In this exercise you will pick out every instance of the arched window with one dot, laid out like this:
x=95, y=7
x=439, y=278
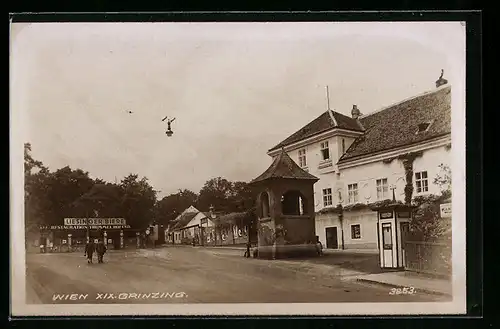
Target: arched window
x=264, y=205
x=293, y=203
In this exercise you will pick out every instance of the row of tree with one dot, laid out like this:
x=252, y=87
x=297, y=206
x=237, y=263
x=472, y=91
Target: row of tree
x=51, y=196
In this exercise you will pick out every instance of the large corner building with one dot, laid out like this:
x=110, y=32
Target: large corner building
x=365, y=159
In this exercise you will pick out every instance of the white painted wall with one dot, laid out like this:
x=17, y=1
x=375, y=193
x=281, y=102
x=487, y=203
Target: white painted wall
x=368, y=224
x=327, y=220
x=430, y=161
x=327, y=175
x=313, y=155
x=366, y=175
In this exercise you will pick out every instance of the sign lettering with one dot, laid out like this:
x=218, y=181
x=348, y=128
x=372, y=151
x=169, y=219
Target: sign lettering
x=83, y=227
x=384, y=215
x=94, y=221
x=404, y=214
x=445, y=210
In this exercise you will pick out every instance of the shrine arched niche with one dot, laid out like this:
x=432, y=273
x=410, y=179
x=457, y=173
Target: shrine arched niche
x=294, y=203
x=264, y=205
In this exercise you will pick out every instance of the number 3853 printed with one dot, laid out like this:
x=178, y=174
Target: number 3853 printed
x=403, y=291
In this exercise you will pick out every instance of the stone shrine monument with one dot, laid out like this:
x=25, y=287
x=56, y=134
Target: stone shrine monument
x=285, y=210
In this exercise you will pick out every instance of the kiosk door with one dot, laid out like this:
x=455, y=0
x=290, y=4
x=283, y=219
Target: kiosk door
x=387, y=253
x=405, y=228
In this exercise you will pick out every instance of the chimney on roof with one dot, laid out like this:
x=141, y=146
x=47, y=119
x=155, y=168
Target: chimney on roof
x=441, y=81
x=355, y=112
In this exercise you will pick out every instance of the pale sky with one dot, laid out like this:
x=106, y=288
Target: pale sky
x=235, y=89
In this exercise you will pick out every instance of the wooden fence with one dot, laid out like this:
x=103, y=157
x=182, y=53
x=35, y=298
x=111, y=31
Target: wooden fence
x=429, y=257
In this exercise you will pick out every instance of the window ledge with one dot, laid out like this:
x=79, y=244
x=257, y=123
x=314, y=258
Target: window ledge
x=305, y=216
x=325, y=164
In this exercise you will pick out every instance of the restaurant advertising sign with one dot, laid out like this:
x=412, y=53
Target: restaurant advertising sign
x=94, y=221
x=89, y=223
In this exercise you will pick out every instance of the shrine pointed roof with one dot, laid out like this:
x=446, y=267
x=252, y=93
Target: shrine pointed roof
x=284, y=167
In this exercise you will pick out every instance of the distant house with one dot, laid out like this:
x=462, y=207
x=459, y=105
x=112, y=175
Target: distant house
x=187, y=226
x=363, y=160
x=228, y=229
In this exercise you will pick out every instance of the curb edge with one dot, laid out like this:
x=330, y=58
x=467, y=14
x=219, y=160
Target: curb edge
x=427, y=291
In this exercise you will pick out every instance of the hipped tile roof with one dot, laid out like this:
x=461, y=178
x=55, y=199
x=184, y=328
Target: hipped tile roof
x=284, y=167
x=321, y=124
x=397, y=125
x=392, y=127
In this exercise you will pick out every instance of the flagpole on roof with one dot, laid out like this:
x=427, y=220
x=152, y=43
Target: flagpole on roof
x=327, y=98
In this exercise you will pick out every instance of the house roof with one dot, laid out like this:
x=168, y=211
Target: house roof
x=284, y=167
x=231, y=218
x=326, y=121
x=397, y=125
x=184, y=219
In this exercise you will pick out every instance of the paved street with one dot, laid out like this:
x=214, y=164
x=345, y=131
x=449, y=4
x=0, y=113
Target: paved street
x=196, y=275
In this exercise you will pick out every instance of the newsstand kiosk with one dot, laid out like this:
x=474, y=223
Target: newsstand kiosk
x=393, y=222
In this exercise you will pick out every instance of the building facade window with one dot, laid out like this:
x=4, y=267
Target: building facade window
x=382, y=189
x=325, y=150
x=302, y=158
x=327, y=197
x=356, y=231
x=352, y=190
x=343, y=146
x=421, y=182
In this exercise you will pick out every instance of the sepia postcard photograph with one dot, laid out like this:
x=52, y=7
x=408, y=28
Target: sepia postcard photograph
x=230, y=168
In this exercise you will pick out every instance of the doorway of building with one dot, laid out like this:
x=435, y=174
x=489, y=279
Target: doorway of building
x=332, y=241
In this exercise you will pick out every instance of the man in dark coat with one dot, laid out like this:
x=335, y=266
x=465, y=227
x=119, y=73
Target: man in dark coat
x=319, y=246
x=101, y=250
x=247, y=252
x=89, y=250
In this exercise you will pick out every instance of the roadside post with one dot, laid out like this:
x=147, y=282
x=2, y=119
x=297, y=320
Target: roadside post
x=121, y=239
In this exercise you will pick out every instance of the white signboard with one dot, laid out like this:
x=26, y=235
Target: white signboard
x=445, y=210
x=94, y=221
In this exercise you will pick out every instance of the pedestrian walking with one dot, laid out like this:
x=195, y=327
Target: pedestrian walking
x=89, y=251
x=247, y=252
x=319, y=246
x=101, y=250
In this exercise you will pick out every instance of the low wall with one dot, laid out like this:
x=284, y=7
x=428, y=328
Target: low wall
x=368, y=245
x=286, y=251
